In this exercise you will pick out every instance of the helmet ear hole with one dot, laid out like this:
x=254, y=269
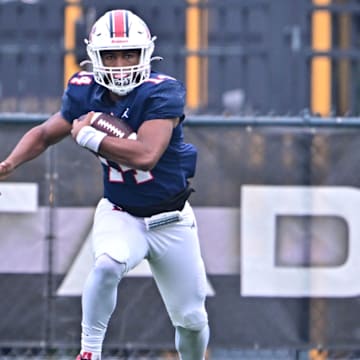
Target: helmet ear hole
x=120, y=30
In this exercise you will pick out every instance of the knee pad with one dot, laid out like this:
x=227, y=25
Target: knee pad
x=108, y=268
x=195, y=320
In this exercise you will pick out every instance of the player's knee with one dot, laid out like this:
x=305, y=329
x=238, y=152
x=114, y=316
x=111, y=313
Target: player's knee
x=108, y=269
x=195, y=320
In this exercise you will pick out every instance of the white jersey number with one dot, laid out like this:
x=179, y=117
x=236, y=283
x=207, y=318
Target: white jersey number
x=116, y=175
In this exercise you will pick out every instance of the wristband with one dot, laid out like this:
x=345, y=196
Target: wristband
x=90, y=138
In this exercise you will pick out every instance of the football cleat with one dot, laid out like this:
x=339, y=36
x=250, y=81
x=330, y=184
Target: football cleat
x=85, y=356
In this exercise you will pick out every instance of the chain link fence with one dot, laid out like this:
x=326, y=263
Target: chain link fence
x=44, y=254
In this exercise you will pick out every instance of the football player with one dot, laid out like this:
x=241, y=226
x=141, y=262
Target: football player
x=145, y=212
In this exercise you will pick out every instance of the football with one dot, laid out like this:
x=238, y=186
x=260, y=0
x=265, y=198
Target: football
x=111, y=125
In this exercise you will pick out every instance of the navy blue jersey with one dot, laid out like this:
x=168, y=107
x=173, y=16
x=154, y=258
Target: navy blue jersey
x=160, y=97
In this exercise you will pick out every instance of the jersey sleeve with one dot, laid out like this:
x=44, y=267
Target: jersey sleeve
x=70, y=108
x=166, y=101
x=74, y=99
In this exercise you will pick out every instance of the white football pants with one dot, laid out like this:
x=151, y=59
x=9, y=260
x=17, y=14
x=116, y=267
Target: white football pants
x=173, y=253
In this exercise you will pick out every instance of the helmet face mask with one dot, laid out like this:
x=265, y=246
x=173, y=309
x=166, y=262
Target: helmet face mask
x=114, y=31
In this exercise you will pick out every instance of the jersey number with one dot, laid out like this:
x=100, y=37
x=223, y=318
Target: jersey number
x=116, y=175
x=82, y=78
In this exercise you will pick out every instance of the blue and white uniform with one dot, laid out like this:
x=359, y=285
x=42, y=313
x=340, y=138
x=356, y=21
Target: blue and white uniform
x=160, y=97
x=131, y=197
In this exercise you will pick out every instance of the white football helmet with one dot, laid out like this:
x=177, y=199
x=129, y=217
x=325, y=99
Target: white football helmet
x=120, y=30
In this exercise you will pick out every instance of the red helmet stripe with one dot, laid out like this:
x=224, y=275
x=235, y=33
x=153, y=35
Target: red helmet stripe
x=119, y=26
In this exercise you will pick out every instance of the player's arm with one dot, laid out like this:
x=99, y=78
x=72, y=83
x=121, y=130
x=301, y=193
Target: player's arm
x=153, y=137
x=35, y=142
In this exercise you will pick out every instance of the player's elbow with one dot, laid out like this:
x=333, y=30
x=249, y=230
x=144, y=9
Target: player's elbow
x=146, y=162
x=145, y=166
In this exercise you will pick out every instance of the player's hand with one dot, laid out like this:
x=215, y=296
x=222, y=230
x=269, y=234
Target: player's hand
x=78, y=124
x=6, y=168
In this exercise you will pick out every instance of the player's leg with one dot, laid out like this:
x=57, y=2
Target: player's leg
x=191, y=344
x=98, y=302
x=118, y=245
x=179, y=272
